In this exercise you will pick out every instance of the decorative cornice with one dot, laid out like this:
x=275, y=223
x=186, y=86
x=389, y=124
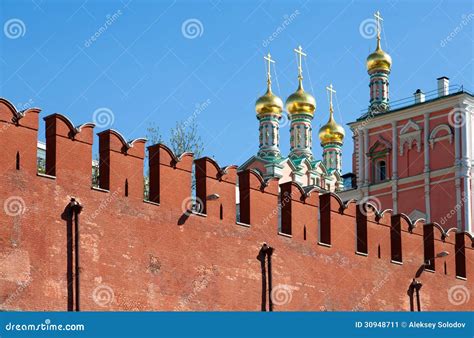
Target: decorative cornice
x=18, y=115
x=73, y=130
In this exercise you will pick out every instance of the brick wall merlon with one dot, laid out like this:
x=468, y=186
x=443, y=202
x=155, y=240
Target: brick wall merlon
x=258, y=200
x=121, y=163
x=299, y=212
x=329, y=203
x=382, y=217
x=69, y=150
x=312, y=196
x=112, y=140
x=27, y=118
x=210, y=168
x=160, y=154
x=254, y=181
x=60, y=125
x=170, y=176
x=216, y=188
x=18, y=137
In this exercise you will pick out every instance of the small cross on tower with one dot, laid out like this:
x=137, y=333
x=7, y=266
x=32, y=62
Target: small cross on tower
x=269, y=60
x=300, y=54
x=379, y=18
x=331, y=91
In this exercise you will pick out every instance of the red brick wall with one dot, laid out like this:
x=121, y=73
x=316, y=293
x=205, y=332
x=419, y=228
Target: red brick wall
x=157, y=256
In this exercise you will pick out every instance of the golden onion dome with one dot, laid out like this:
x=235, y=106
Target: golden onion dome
x=379, y=60
x=331, y=132
x=301, y=102
x=269, y=103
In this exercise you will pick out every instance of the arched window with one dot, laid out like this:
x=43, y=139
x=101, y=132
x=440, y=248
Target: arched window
x=378, y=155
x=380, y=171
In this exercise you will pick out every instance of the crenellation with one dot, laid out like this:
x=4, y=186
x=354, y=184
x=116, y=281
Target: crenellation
x=253, y=188
x=338, y=223
x=396, y=238
x=412, y=242
x=18, y=137
x=170, y=176
x=216, y=189
x=325, y=219
x=429, y=246
x=464, y=254
x=299, y=212
x=119, y=232
x=121, y=163
x=379, y=239
x=443, y=242
x=343, y=233
x=69, y=151
x=362, y=229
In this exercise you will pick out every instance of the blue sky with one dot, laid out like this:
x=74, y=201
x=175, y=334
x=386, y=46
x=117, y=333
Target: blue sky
x=143, y=67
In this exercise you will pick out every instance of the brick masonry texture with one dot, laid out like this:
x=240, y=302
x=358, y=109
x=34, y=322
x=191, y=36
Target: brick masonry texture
x=156, y=255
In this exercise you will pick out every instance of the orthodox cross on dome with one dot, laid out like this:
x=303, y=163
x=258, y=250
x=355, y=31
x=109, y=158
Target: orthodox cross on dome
x=269, y=60
x=379, y=18
x=299, y=52
x=330, y=91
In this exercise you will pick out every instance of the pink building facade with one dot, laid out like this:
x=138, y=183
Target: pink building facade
x=418, y=159
x=415, y=157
